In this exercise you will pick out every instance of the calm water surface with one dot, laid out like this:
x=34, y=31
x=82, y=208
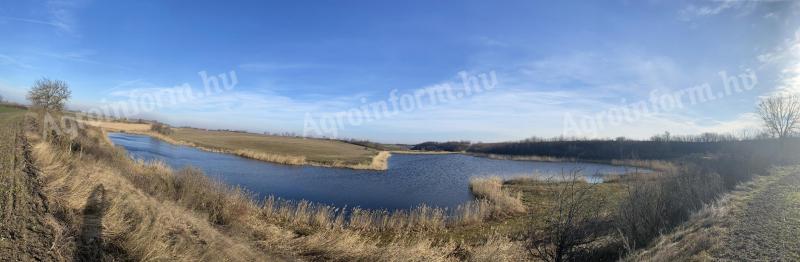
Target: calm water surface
x=436, y=180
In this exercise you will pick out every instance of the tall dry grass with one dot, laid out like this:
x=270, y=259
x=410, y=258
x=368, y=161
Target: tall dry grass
x=658, y=165
x=503, y=202
x=132, y=225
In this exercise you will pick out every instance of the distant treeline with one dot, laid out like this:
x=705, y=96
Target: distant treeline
x=453, y=146
x=661, y=147
x=12, y=104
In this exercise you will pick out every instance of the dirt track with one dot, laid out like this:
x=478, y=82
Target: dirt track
x=24, y=232
x=766, y=227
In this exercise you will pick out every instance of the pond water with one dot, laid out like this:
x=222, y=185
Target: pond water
x=436, y=180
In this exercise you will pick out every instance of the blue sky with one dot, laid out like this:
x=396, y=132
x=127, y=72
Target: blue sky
x=552, y=59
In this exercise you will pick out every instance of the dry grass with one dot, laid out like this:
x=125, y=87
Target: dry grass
x=692, y=240
x=658, y=165
x=119, y=126
x=132, y=225
x=420, y=152
x=704, y=232
x=504, y=202
x=318, y=151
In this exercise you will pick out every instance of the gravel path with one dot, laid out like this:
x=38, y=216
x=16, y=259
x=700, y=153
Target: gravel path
x=766, y=227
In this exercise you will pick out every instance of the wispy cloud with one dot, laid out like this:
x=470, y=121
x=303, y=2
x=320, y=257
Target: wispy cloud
x=785, y=58
x=266, y=67
x=716, y=7
x=57, y=25
x=59, y=15
x=62, y=14
x=13, y=61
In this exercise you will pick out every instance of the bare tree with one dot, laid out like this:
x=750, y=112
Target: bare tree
x=50, y=95
x=780, y=114
x=573, y=221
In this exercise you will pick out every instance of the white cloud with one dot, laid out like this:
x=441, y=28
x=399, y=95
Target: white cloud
x=530, y=100
x=716, y=7
x=62, y=14
x=786, y=59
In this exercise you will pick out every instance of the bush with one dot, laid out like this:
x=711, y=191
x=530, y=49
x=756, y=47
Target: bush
x=573, y=222
x=652, y=207
x=161, y=128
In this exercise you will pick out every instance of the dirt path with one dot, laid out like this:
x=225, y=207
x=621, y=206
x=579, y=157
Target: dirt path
x=24, y=232
x=767, y=225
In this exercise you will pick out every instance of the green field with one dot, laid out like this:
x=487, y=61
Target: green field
x=9, y=109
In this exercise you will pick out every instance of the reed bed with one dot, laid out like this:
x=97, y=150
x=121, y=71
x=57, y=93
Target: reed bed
x=503, y=202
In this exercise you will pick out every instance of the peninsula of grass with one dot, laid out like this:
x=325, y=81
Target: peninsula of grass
x=275, y=149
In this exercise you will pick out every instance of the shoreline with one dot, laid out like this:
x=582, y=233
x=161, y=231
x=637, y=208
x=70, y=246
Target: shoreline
x=653, y=165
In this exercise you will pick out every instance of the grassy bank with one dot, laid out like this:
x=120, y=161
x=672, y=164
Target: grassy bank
x=275, y=149
x=757, y=221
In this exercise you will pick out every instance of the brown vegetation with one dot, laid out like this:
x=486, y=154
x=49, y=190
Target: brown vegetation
x=573, y=222
x=504, y=203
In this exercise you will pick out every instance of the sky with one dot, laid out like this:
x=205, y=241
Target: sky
x=545, y=68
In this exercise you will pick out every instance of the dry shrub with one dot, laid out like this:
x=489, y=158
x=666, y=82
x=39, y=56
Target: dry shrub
x=690, y=241
x=161, y=129
x=572, y=223
x=650, y=207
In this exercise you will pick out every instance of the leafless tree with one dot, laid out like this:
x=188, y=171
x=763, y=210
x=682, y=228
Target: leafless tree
x=780, y=114
x=49, y=95
x=573, y=221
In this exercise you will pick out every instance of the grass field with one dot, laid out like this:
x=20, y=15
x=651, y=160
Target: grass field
x=278, y=149
x=314, y=150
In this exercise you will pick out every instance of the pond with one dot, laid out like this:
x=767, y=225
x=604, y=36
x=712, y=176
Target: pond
x=412, y=179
